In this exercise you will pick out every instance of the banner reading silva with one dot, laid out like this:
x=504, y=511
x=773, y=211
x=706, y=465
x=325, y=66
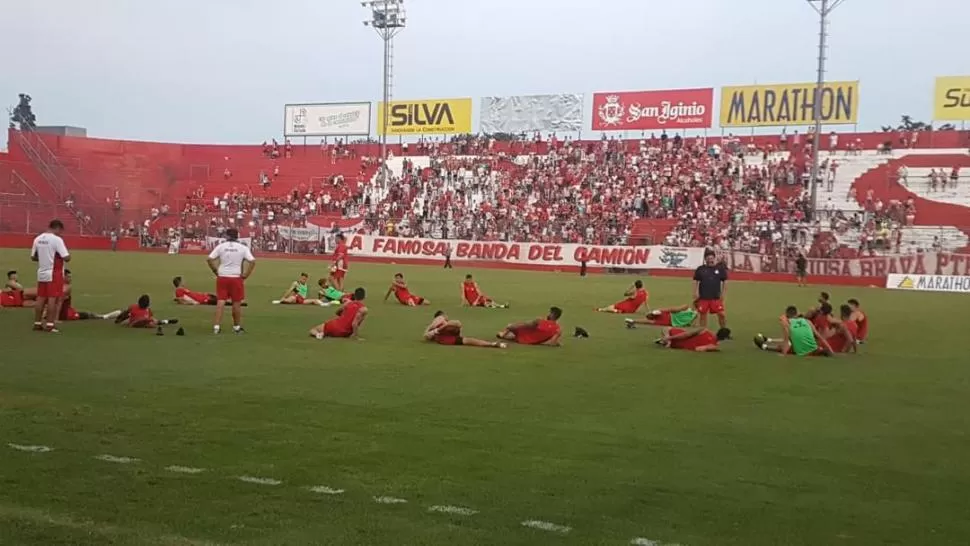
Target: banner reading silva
x=951, y=99
x=648, y=110
x=929, y=283
x=788, y=104
x=425, y=117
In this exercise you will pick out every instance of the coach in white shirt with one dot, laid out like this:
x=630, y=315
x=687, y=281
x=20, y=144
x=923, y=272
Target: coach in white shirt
x=232, y=262
x=50, y=253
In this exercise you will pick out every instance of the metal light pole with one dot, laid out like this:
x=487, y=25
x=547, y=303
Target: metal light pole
x=824, y=8
x=387, y=19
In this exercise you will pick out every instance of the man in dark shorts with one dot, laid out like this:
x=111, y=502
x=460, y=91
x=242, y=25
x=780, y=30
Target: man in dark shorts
x=801, y=269
x=710, y=285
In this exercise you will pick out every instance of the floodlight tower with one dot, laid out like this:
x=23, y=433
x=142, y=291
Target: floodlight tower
x=387, y=18
x=823, y=8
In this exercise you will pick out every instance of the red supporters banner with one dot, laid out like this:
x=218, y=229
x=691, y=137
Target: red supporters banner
x=649, y=110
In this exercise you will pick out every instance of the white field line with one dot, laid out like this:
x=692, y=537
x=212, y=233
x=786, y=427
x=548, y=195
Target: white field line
x=184, y=469
x=325, y=490
x=389, y=500
x=547, y=526
x=644, y=542
x=31, y=449
x=259, y=481
x=457, y=510
x=115, y=459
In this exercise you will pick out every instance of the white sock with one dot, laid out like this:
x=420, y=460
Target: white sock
x=216, y=328
x=236, y=328
x=275, y=302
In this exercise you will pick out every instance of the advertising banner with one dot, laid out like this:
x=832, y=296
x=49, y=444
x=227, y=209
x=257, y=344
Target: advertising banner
x=550, y=254
x=788, y=104
x=212, y=242
x=337, y=119
x=929, y=283
x=316, y=233
x=652, y=110
x=951, y=99
x=928, y=263
x=527, y=113
x=426, y=117
x=675, y=257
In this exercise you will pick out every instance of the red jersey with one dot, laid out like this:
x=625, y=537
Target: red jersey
x=821, y=322
x=863, y=325
x=448, y=336
x=639, y=297
x=700, y=340
x=340, y=256
x=66, y=308
x=543, y=331
x=402, y=294
x=137, y=314
x=839, y=342
x=181, y=293
x=471, y=292
x=350, y=311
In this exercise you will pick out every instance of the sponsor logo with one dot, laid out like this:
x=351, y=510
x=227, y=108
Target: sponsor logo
x=673, y=257
x=299, y=120
x=906, y=284
x=929, y=283
x=339, y=119
x=642, y=110
x=951, y=99
x=789, y=104
x=445, y=116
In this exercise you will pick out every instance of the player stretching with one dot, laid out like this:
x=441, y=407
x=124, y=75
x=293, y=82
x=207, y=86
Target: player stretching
x=68, y=312
x=678, y=317
x=139, y=315
x=448, y=332
x=710, y=285
x=844, y=332
x=636, y=297
x=800, y=337
x=51, y=254
x=297, y=293
x=330, y=295
x=232, y=262
x=12, y=293
x=340, y=264
x=822, y=318
x=700, y=340
x=861, y=320
x=185, y=296
x=473, y=296
x=350, y=316
x=400, y=290
x=541, y=331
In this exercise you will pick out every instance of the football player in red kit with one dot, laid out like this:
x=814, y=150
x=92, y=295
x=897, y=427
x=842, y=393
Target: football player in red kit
x=636, y=296
x=12, y=293
x=842, y=337
x=472, y=295
x=700, y=340
x=400, y=290
x=340, y=263
x=448, y=332
x=67, y=311
x=541, y=331
x=185, y=296
x=350, y=316
x=861, y=319
x=139, y=315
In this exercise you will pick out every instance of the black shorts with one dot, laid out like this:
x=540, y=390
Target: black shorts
x=801, y=273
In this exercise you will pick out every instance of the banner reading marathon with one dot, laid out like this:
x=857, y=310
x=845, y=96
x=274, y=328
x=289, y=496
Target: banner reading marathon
x=426, y=117
x=525, y=113
x=789, y=104
x=951, y=99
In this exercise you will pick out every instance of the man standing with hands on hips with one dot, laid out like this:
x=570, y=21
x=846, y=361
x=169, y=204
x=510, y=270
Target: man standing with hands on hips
x=232, y=263
x=50, y=253
x=710, y=285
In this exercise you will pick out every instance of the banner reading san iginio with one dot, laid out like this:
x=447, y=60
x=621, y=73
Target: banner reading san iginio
x=653, y=110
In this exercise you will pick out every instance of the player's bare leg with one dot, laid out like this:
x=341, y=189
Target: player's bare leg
x=217, y=318
x=769, y=344
x=702, y=320
x=318, y=331
x=722, y=320
x=40, y=305
x=472, y=342
x=607, y=309
x=237, y=317
x=51, y=308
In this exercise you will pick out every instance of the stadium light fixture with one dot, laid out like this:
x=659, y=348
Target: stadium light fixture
x=388, y=18
x=824, y=8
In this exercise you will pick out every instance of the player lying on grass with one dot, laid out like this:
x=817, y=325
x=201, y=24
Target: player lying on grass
x=679, y=317
x=12, y=293
x=800, y=337
x=400, y=290
x=448, y=332
x=699, y=340
x=68, y=312
x=473, y=296
x=861, y=319
x=330, y=295
x=185, y=296
x=541, y=331
x=636, y=296
x=349, y=318
x=297, y=293
x=139, y=315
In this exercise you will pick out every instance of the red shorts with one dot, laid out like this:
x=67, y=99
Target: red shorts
x=480, y=301
x=299, y=299
x=70, y=314
x=816, y=352
x=663, y=319
x=335, y=328
x=411, y=300
x=626, y=307
x=339, y=274
x=448, y=339
x=51, y=289
x=11, y=299
x=710, y=306
x=230, y=288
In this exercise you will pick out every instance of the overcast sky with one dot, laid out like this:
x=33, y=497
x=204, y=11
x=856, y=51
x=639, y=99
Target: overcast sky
x=221, y=70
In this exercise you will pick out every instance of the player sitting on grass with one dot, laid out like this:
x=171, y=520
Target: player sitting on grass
x=448, y=332
x=473, y=296
x=68, y=312
x=861, y=320
x=822, y=318
x=400, y=290
x=185, y=296
x=330, y=295
x=678, y=317
x=843, y=332
x=699, y=340
x=139, y=315
x=800, y=337
x=541, y=331
x=347, y=323
x=636, y=296
x=297, y=293
x=12, y=293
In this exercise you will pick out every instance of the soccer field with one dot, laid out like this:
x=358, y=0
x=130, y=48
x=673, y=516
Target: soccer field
x=601, y=441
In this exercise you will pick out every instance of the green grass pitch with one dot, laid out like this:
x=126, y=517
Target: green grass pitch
x=609, y=436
